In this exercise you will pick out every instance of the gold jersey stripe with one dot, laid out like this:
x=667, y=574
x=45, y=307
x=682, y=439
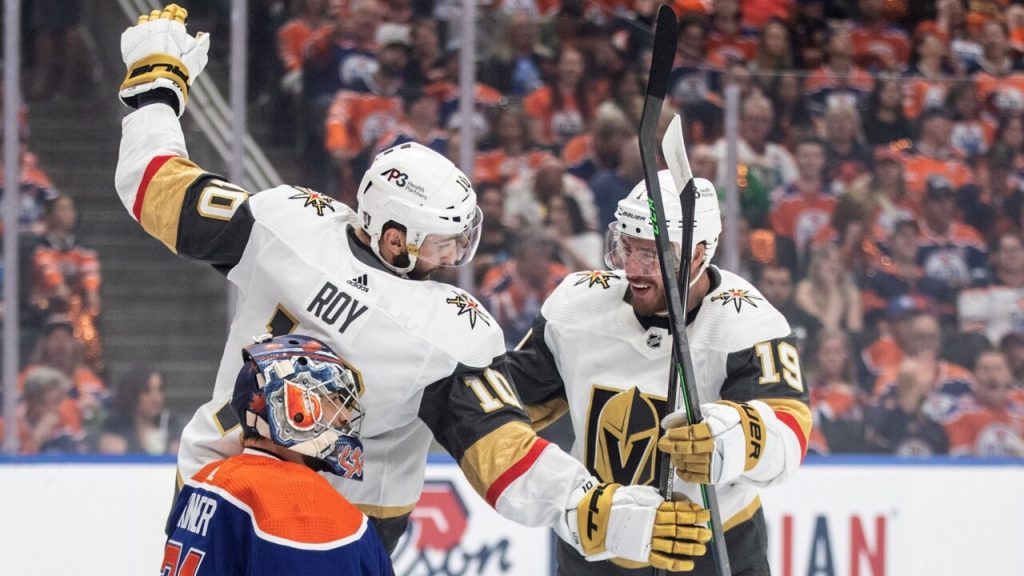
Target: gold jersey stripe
x=746, y=513
x=800, y=412
x=377, y=511
x=492, y=455
x=543, y=415
x=164, y=196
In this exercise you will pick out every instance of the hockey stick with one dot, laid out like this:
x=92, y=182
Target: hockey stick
x=676, y=288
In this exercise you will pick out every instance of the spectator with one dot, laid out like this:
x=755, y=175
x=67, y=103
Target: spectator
x=927, y=80
x=793, y=121
x=427, y=62
x=898, y=424
x=367, y=108
x=728, y=39
x=527, y=198
x=933, y=154
x=952, y=255
x=139, y=422
x=1009, y=136
x=335, y=58
x=835, y=395
x=972, y=135
x=486, y=100
x=511, y=154
x=579, y=247
x=877, y=44
x=67, y=277
x=562, y=108
x=1012, y=347
x=847, y=155
x=999, y=73
x=419, y=123
x=770, y=163
x=828, y=292
x=695, y=85
x=944, y=388
x=774, y=53
x=885, y=193
x=58, y=348
x=776, y=284
x=599, y=147
x=514, y=291
x=802, y=208
x=496, y=236
x=994, y=426
x=894, y=273
x=839, y=80
x=997, y=308
x=611, y=185
x=310, y=19
x=516, y=66
x=884, y=119
x=34, y=190
x=44, y=423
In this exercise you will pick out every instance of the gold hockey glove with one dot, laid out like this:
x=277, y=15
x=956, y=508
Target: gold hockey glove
x=729, y=442
x=160, y=54
x=636, y=524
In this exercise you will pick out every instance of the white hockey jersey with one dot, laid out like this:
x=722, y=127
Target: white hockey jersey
x=421, y=350
x=589, y=350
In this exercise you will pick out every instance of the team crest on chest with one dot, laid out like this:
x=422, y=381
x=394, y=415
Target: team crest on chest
x=468, y=305
x=318, y=201
x=622, y=435
x=737, y=296
x=598, y=277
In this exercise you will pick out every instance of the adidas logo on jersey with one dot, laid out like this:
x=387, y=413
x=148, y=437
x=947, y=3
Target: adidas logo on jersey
x=359, y=283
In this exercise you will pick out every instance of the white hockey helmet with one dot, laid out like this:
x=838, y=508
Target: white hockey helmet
x=421, y=190
x=633, y=219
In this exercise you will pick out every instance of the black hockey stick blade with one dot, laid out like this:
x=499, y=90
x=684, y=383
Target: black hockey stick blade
x=665, y=37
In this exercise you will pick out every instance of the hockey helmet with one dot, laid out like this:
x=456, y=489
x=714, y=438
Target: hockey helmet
x=633, y=219
x=414, y=186
x=297, y=392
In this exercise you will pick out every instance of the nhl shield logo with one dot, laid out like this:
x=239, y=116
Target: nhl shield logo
x=653, y=340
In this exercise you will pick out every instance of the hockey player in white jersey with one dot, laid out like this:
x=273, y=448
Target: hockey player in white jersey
x=421, y=351
x=601, y=349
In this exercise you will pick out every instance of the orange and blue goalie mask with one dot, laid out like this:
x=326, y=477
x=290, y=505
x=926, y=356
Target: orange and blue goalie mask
x=302, y=397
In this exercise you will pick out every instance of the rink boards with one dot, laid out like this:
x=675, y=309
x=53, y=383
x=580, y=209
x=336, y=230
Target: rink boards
x=836, y=517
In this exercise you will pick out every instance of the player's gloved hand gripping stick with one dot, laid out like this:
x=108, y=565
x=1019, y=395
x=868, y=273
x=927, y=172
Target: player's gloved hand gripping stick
x=676, y=288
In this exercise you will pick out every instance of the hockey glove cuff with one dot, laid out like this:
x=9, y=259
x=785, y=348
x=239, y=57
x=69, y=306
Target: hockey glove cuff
x=729, y=442
x=160, y=54
x=636, y=524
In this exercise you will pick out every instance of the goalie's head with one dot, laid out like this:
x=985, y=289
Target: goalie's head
x=633, y=221
x=427, y=198
x=295, y=391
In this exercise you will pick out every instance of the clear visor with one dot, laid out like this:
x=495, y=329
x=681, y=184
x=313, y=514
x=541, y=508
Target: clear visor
x=452, y=249
x=637, y=256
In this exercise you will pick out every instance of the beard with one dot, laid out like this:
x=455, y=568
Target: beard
x=647, y=296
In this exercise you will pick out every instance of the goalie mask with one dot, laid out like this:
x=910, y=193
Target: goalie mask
x=295, y=391
x=633, y=220
x=421, y=190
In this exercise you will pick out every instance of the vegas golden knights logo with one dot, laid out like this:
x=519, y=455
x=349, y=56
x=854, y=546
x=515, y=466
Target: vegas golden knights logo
x=622, y=435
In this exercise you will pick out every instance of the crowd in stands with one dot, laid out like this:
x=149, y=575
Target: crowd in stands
x=65, y=404
x=880, y=172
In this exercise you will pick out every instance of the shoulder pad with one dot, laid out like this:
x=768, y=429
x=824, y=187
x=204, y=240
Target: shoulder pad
x=290, y=202
x=582, y=293
x=460, y=325
x=735, y=315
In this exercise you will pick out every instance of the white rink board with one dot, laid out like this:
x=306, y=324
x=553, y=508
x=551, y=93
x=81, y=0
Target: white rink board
x=832, y=519
x=898, y=520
